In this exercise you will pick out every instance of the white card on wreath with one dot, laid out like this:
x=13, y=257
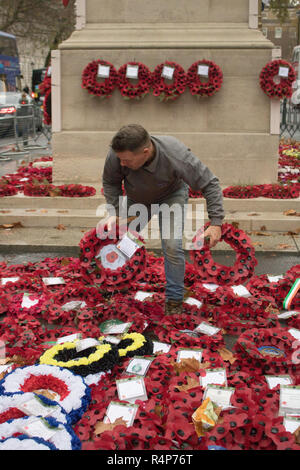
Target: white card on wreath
x=53, y=281
x=283, y=72
x=275, y=278
x=39, y=428
x=203, y=70
x=192, y=301
x=139, y=365
x=132, y=389
x=274, y=380
x=291, y=424
x=210, y=286
x=289, y=400
x=103, y=71
x=161, y=347
x=132, y=71
x=73, y=305
x=128, y=246
x=69, y=338
x=5, y=280
x=86, y=343
x=141, y=295
x=214, y=376
x=117, y=410
x=117, y=329
x=27, y=302
x=36, y=407
x=294, y=332
x=219, y=395
x=241, y=291
x=207, y=329
x=167, y=72
x=288, y=314
x=189, y=354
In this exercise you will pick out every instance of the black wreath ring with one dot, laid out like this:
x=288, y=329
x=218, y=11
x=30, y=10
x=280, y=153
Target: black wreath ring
x=98, y=358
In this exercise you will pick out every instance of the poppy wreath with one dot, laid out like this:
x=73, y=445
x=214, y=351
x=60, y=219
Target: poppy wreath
x=7, y=189
x=266, y=79
x=24, y=442
x=11, y=404
x=235, y=322
x=163, y=90
x=268, y=350
x=169, y=332
x=94, y=272
x=74, y=394
x=137, y=90
x=260, y=285
x=122, y=309
x=210, y=271
x=90, y=83
x=50, y=190
x=200, y=88
x=99, y=358
x=64, y=437
x=239, y=431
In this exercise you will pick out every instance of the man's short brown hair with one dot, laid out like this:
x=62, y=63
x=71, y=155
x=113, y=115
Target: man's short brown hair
x=132, y=137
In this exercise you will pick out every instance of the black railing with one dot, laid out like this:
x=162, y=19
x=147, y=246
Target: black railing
x=289, y=120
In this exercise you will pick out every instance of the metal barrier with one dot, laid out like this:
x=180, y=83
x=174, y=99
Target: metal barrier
x=289, y=120
x=20, y=129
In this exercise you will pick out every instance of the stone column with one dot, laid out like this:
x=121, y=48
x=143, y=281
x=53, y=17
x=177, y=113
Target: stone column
x=230, y=131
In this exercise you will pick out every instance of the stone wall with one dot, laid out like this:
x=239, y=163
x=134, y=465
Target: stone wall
x=229, y=131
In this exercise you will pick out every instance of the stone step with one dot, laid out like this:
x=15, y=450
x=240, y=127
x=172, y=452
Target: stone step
x=243, y=205
x=272, y=221
x=66, y=241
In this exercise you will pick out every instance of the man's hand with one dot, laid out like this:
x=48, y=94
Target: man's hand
x=213, y=232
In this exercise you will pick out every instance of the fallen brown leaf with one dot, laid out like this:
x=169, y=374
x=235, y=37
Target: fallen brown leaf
x=46, y=393
x=64, y=211
x=257, y=243
x=14, y=225
x=227, y=355
x=262, y=234
x=191, y=383
x=60, y=227
x=253, y=213
x=5, y=212
x=272, y=310
x=102, y=427
x=292, y=212
x=4, y=361
x=189, y=365
x=30, y=210
x=283, y=246
x=297, y=435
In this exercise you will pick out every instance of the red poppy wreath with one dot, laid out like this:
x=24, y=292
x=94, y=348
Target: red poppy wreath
x=106, y=85
x=138, y=90
x=174, y=74
x=286, y=76
x=270, y=350
x=200, y=87
x=210, y=271
x=104, y=264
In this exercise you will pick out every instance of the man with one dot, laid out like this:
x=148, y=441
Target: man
x=157, y=171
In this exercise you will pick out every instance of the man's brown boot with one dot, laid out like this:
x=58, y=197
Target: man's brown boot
x=173, y=307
